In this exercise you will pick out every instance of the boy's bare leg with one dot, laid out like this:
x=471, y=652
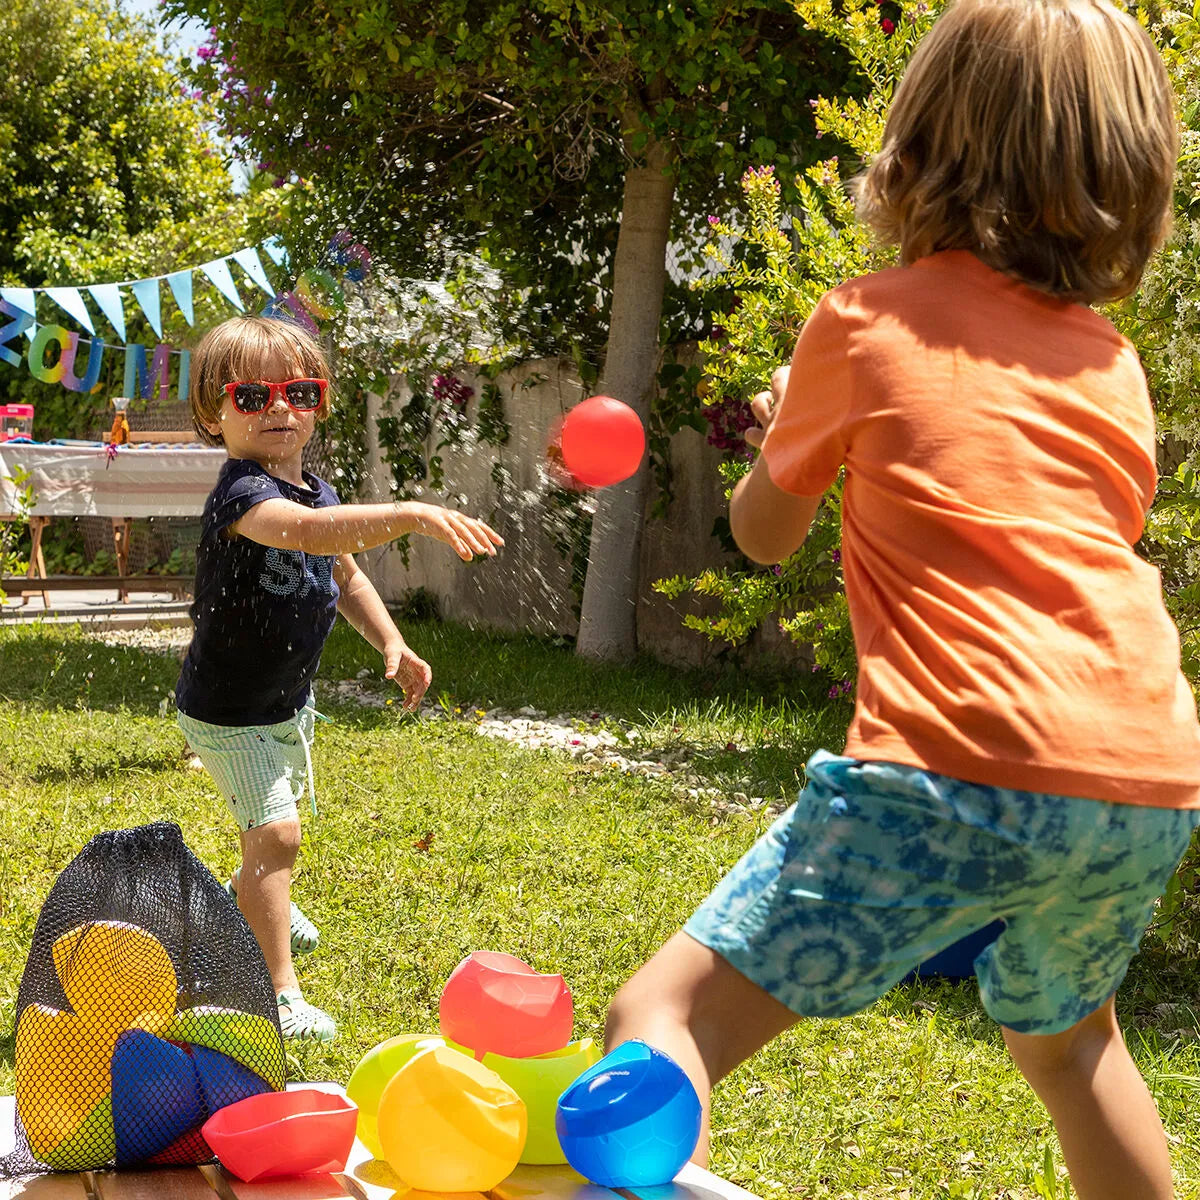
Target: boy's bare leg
x=1110, y=1132
x=264, y=893
x=690, y=1003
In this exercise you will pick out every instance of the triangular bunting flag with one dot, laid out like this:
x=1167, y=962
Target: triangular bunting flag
x=275, y=248
x=218, y=272
x=71, y=302
x=20, y=297
x=249, y=261
x=108, y=297
x=145, y=291
x=181, y=289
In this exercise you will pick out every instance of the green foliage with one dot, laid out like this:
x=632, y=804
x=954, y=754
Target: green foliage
x=1163, y=320
x=506, y=129
x=97, y=144
x=109, y=171
x=777, y=271
x=12, y=531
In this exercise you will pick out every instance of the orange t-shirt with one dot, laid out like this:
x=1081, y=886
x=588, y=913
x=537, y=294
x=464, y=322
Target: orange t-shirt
x=999, y=454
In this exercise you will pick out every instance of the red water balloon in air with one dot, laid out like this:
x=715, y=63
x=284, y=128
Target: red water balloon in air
x=602, y=441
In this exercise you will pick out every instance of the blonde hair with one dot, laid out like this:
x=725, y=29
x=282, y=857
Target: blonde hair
x=1039, y=134
x=241, y=349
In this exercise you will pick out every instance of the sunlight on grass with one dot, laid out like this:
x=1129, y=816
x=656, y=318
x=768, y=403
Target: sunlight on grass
x=432, y=842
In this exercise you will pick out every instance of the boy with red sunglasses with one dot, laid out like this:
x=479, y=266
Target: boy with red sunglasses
x=274, y=566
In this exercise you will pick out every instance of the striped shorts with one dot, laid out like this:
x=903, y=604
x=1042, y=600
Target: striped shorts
x=262, y=771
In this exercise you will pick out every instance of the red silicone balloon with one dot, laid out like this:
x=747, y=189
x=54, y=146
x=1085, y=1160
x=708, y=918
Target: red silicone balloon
x=278, y=1134
x=495, y=1002
x=602, y=441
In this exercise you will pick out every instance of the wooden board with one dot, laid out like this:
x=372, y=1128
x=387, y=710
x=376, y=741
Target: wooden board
x=19, y=585
x=44, y=1187
x=365, y=1178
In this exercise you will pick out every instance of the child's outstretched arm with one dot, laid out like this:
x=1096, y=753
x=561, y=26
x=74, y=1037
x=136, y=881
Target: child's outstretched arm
x=349, y=528
x=768, y=523
x=360, y=604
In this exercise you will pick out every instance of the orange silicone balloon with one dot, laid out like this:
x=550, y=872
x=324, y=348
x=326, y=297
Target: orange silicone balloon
x=603, y=441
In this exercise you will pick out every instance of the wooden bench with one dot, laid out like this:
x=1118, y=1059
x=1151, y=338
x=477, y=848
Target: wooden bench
x=364, y=1179
x=179, y=586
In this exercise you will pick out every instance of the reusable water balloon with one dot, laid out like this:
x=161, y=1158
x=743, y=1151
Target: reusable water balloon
x=116, y=975
x=449, y=1124
x=62, y=1078
x=248, y=1038
x=374, y=1072
x=106, y=1069
x=156, y=1096
x=496, y=1003
x=539, y=1081
x=283, y=1133
x=602, y=441
x=630, y=1121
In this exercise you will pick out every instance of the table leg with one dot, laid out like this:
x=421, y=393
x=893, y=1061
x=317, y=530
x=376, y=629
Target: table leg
x=121, y=526
x=37, y=560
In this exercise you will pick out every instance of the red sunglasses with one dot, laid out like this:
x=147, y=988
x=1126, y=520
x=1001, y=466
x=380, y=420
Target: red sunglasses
x=301, y=395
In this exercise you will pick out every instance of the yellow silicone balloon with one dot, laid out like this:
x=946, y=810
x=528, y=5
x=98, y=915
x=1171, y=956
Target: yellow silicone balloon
x=63, y=1073
x=116, y=974
x=374, y=1073
x=450, y=1124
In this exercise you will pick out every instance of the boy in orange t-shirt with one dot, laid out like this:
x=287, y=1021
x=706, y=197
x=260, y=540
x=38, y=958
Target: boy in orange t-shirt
x=1024, y=745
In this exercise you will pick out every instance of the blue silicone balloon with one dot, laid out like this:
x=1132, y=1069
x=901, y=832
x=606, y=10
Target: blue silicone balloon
x=632, y=1120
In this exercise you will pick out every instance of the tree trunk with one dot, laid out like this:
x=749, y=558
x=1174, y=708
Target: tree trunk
x=608, y=621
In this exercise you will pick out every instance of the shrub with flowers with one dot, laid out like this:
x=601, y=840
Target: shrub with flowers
x=782, y=264
x=779, y=268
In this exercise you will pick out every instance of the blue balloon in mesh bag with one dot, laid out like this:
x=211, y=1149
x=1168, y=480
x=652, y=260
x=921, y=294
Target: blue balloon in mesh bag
x=632, y=1120
x=155, y=1096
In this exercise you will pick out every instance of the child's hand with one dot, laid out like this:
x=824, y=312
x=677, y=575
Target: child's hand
x=410, y=672
x=466, y=536
x=763, y=406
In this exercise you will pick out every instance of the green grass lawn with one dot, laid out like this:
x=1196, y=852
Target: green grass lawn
x=433, y=841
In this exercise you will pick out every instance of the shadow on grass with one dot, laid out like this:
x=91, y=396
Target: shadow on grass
x=57, y=667
x=61, y=668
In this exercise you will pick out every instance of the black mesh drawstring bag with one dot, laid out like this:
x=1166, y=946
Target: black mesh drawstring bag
x=144, y=1008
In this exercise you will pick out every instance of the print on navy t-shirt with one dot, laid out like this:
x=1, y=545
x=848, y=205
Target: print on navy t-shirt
x=261, y=614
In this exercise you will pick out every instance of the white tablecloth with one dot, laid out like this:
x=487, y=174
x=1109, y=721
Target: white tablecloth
x=140, y=481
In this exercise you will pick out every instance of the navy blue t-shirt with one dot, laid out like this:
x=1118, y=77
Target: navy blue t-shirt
x=261, y=615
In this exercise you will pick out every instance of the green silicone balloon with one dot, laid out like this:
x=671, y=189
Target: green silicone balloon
x=247, y=1038
x=91, y=1145
x=539, y=1081
x=374, y=1073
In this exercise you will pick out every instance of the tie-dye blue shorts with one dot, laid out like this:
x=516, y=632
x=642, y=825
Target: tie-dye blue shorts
x=878, y=867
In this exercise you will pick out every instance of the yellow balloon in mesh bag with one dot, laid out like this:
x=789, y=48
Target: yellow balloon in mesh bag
x=63, y=1075
x=449, y=1124
x=116, y=975
x=374, y=1072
